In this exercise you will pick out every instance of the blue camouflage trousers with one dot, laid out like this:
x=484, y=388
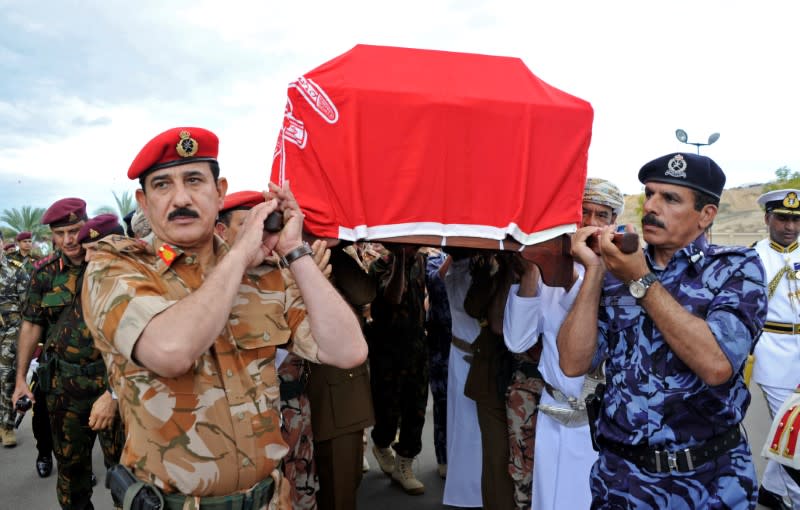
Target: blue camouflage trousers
x=728, y=482
x=439, y=338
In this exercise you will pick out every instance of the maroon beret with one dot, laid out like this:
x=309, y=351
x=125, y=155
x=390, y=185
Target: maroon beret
x=242, y=200
x=8, y=246
x=65, y=212
x=98, y=227
x=23, y=235
x=176, y=146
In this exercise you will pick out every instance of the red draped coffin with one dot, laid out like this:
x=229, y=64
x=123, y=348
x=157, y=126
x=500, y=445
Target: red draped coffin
x=383, y=142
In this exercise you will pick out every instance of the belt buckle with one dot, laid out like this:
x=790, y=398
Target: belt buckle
x=672, y=461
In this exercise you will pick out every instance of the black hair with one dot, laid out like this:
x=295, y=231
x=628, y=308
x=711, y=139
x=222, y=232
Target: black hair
x=702, y=199
x=214, y=164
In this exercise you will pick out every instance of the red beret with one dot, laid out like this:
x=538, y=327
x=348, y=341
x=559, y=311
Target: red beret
x=176, y=146
x=8, y=246
x=65, y=212
x=241, y=200
x=23, y=235
x=98, y=227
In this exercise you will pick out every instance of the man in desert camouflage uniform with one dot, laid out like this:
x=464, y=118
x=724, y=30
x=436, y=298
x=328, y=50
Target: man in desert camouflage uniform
x=13, y=281
x=72, y=374
x=189, y=328
x=298, y=464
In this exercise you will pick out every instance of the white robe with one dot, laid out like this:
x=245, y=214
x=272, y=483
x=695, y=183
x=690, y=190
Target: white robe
x=462, y=487
x=563, y=456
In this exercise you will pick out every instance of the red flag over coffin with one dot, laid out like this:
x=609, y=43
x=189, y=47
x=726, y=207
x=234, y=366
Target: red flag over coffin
x=383, y=142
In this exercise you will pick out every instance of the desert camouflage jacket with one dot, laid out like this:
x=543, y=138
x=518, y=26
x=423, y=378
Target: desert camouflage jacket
x=215, y=430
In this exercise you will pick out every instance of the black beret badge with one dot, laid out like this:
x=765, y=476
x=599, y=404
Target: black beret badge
x=676, y=167
x=187, y=146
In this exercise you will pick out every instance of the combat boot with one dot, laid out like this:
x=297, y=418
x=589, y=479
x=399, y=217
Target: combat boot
x=9, y=438
x=385, y=458
x=404, y=475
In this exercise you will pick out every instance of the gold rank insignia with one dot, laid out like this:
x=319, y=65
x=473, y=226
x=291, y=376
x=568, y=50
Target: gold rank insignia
x=167, y=254
x=187, y=146
x=791, y=201
x=93, y=233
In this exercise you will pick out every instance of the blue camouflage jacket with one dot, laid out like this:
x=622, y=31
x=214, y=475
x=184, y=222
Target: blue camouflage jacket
x=652, y=397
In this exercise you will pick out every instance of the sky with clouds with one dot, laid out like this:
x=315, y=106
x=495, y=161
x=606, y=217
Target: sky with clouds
x=86, y=83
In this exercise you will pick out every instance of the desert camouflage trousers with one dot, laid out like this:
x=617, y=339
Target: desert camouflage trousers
x=8, y=360
x=298, y=464
x=69, y=403
x=522, y=399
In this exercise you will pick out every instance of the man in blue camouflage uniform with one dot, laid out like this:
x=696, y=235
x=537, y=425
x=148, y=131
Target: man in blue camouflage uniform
x=674, y=324
x=439, y=333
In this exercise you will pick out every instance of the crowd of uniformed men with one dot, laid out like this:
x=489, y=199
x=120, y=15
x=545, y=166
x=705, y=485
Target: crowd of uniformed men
x=225, y=366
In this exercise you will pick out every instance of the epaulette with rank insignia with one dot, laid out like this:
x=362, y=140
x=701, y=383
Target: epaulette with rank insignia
x=15, y=262
x=46, y=260
x=718, y=249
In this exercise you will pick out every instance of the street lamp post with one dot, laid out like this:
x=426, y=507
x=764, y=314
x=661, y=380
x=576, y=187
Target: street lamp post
x=682, y=137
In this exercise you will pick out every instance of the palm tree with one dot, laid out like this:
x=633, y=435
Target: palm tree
x=125, y=204
x=25, y=219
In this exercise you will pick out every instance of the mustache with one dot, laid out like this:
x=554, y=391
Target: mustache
x=650, y=219
x=184, y=212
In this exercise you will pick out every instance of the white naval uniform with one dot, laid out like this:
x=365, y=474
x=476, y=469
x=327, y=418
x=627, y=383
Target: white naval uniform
x=462, y=487
x=777, y=355
x=563, y=456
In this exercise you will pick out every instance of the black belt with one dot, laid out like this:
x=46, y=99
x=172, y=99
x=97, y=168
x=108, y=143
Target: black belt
x=528, y=369
x=681, y=461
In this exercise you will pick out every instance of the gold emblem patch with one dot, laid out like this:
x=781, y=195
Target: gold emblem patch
x=791, y=201
x=188, y=146
x=93, y=233
x=73, y=217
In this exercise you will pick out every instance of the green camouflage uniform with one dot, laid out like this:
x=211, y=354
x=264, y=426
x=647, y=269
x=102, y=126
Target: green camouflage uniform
x=77, y=378
x=13, y=281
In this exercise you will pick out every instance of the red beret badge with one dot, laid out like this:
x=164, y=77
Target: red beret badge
x=187, y=146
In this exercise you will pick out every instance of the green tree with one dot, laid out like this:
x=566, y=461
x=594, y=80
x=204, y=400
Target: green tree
x=125, y=204
x=25, y=219
x=784, y=178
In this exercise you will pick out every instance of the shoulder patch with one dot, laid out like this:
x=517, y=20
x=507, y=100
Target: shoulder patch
x=15, y=262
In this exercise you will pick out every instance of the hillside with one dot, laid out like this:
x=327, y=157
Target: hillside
x=740, y=220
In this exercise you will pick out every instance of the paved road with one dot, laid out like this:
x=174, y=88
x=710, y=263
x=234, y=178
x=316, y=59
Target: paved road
x=21, y=488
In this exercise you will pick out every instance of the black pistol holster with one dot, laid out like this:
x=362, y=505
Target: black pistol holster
x=594, y=406
x=130, y=493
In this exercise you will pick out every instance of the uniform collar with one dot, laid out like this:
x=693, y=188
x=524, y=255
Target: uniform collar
x=694, y=252
x=782, y=249
x=167, y=254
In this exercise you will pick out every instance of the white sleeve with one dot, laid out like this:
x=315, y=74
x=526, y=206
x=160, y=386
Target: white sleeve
x=522, y=320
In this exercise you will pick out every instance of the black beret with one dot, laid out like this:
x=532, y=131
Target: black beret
x=685, y=169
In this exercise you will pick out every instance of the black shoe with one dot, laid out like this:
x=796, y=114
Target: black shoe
x=94, y=480
x=771, y=500
x=44, y=466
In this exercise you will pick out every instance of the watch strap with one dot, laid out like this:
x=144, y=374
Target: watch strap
x=299, y=252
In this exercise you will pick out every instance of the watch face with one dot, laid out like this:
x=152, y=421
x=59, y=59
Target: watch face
x=637, y=289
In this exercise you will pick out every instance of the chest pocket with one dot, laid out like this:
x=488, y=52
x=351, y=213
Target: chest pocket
x=257, y=317
x=56, y=299
x=624, y=314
